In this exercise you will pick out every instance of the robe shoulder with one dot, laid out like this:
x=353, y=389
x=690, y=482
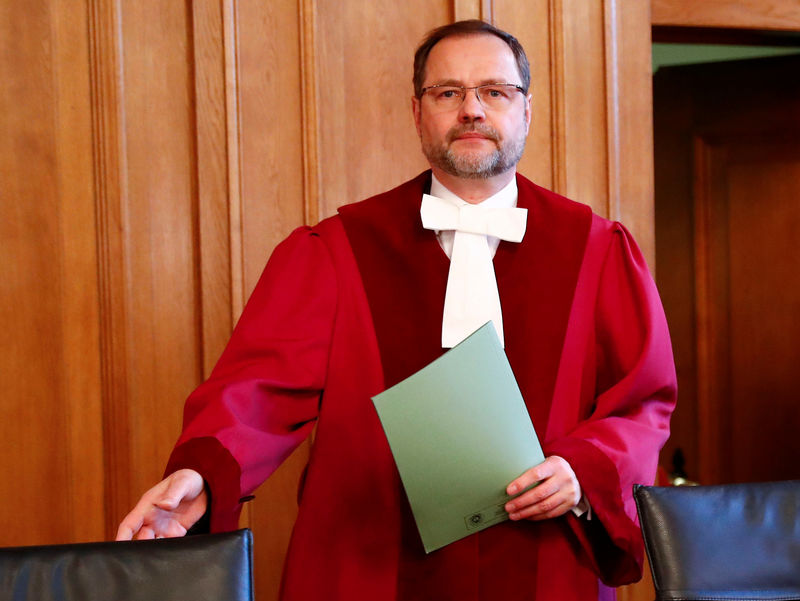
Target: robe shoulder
x=619, y=345
x=261, y=399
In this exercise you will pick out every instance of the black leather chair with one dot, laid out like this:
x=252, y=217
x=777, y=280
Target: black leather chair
x=206, y=567
x=726, y=542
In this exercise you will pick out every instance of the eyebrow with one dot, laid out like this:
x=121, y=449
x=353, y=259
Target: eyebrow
x=457, y=83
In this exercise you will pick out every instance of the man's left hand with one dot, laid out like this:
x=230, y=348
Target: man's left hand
x=558, y=491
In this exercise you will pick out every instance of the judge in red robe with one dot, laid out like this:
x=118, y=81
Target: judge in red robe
x=353, y=305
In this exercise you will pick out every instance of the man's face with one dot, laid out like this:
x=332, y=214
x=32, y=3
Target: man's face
x=471, y=141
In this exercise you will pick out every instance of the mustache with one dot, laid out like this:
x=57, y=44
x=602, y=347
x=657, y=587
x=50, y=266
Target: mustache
x=486, y=131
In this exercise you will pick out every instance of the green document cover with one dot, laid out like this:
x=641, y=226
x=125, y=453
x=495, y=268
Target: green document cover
x=460, y=433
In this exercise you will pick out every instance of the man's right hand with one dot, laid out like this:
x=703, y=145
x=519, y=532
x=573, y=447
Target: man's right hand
x=168, y=509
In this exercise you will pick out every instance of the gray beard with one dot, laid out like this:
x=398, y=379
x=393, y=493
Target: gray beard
x=475, y=165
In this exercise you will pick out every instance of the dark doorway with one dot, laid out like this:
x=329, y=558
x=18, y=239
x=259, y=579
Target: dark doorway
x=727, y=165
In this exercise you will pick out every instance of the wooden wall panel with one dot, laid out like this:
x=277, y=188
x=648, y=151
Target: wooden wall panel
x=84, y=462
x=629, y=110
x=581, y=130
x=779, y=15
x=473, y=9
x=591, y=137
x=368, y=143
x=270, y=128
x=269, y=142
x=50, y=375
x=159, y=283
x=217, y=190
x=530, y=23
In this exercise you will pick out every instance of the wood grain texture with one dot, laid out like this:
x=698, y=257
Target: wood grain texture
x=111, y=197
x=473, y=9
x=310, y=99
x=270, y=112
x=162, y=301
x=629, y=121
x=50, y=373
x=764, y=292
x=780, y=15
x=367, y=135
x=272, y=96
x=79, y=289
x=711, y=292
x=530, y=24
x=213, y=201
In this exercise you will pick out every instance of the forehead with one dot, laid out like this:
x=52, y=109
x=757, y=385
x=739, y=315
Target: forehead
x=471, y=59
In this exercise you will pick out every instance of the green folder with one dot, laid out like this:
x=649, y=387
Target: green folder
x=460, y=433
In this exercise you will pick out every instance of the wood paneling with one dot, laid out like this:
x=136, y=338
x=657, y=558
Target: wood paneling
x=50, y=374
x=84, y=463
x=583, y=130
x=212, y=47
x=271, y=112
x=473, y=9
x=764, y=302
x=531, y=25
x=158, y=237
x=110, y=199
x=154, y=153
x=365, y=67
x=629, y=113
x=268, y=87
x=591, y=135
x=745, y=14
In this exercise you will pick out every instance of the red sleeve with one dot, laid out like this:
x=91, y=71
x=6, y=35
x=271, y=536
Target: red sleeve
x=618, y=443
x=262, y=398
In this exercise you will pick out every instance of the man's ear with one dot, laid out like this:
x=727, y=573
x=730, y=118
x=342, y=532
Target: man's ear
x=416, y=108
x=528, y=110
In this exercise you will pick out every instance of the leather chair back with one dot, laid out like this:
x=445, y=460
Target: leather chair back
x=726, y=542
x=206, y=567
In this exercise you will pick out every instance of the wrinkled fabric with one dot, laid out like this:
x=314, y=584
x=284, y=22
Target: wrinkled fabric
x=327, y=328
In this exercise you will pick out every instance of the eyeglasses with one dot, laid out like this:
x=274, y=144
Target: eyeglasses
x=494, y=96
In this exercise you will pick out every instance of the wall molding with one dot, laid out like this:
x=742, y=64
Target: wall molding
x=473, y=9
x=775, y=15
x=612, y=34
x=312, y=181
x=211, y=175
x=557, y=94
x=233, y=122
x=108, y=138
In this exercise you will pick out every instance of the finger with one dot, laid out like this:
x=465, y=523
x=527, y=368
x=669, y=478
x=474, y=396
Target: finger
x=173, y=530
x=551, y=505
x=129, y=525
x=534, y=496
x=541, y=511
x=530, y=477
x=526, y=480
x=182, y=485
x=145, y=533
x=124, y=532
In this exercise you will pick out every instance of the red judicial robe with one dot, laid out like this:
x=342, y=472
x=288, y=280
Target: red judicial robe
x=351, y=306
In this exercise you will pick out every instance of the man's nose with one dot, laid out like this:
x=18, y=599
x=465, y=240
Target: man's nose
x=471, y=108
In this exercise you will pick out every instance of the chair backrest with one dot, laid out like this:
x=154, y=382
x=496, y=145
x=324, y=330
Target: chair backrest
x=206, y=567
x=733, y=541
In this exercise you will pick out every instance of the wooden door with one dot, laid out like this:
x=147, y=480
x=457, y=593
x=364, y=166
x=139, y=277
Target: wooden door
x=727, y=147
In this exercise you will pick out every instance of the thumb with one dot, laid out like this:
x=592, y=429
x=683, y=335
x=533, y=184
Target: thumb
x=183, y=485
x=177, y=491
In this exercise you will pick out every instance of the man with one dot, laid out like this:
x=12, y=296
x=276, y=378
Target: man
x=364, y=299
